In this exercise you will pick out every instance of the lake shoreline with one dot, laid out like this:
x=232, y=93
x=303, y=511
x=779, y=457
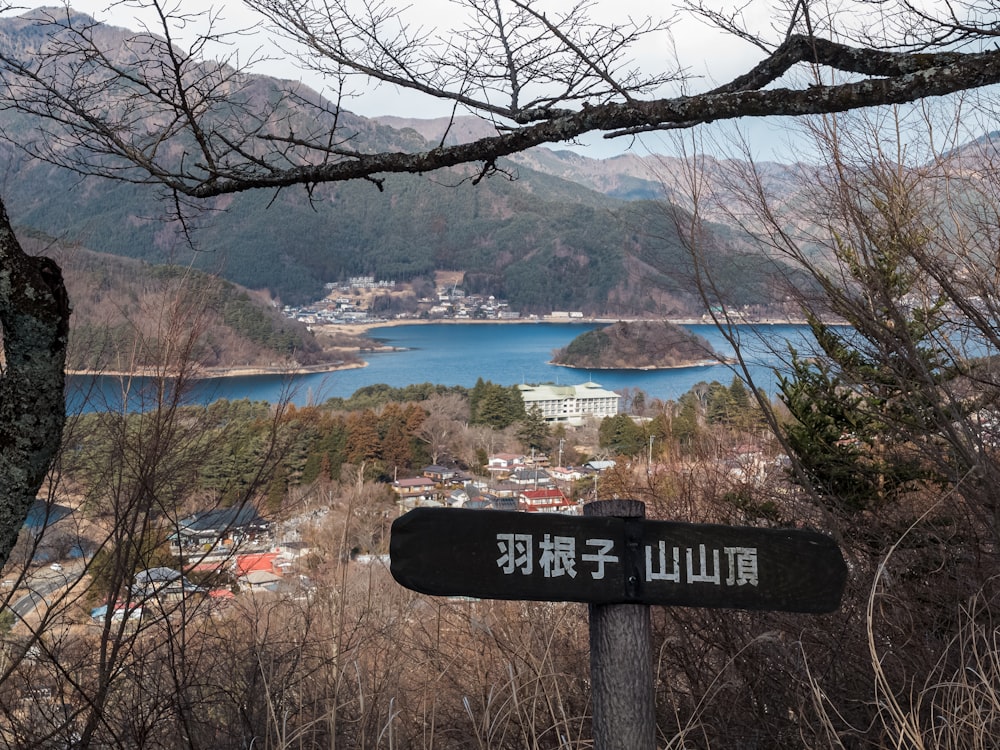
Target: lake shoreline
x=445, y=355
x=362, y=329
x=647, y=368
x=211, y=373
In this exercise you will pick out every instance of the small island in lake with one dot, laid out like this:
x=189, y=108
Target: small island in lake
x=641, y=345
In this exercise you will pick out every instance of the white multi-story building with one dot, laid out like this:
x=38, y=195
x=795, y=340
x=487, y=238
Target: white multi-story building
x=570, y=403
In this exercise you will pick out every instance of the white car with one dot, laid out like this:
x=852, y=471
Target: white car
x=56, y=567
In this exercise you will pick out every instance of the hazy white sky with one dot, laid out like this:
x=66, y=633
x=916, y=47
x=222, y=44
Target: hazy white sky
x=704, y=53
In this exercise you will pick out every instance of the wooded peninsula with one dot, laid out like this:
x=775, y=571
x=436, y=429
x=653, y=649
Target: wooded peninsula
x=637, y=345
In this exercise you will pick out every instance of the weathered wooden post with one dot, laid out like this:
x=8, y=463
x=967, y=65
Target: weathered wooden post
x=619, y=563
x=621, y=659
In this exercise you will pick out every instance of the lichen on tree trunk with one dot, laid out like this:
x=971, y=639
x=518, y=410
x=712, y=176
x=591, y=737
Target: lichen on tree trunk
x=34, y=314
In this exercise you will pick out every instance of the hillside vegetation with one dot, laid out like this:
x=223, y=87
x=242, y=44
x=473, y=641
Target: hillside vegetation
x=127, y=313
x=541, y=243
x=704, y=459
x=635, y=346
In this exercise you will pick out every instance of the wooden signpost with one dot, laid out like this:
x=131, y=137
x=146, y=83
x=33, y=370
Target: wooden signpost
x=620, y=563
x=613, y=560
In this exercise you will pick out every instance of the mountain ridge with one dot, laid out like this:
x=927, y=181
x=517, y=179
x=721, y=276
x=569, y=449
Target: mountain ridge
x=542, y=241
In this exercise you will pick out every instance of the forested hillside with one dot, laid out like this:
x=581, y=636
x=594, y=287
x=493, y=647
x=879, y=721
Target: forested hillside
x=525, y=241
x=126, y=313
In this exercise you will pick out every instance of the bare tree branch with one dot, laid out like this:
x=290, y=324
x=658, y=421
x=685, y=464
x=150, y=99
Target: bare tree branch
x=143, y=110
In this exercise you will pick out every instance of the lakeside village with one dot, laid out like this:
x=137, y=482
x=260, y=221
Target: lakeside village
x=356, y=301
x=352, y=302
x=245, y=553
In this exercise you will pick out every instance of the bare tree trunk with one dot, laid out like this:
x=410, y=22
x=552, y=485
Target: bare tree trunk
x=34, y=314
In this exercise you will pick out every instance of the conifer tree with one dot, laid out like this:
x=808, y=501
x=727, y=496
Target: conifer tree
x=494, y=405
x=362, y=437
x=685, y=425
x=396, y=450
x=622, y=435
x=533, y=430
x=857, y=411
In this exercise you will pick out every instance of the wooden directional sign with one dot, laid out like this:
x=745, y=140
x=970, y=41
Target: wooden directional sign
x=606, y=560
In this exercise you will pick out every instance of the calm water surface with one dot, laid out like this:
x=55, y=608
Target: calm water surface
x=459, y=354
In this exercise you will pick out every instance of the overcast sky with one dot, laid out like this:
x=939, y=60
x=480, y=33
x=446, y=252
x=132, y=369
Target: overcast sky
x=703, y=52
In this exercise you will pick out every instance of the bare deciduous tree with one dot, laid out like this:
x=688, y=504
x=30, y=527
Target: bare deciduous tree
x=896, y=235
x=447, y=415
x=144, y=109
x=891, y=420
x=129, y=478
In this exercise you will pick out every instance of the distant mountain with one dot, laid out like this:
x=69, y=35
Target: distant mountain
x=979, y=154
x=569, y=233
x=629, y=176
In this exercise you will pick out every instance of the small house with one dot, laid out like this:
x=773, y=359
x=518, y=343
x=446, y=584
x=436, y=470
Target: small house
x=163, y=584
x=222, y=526
x=502, y=464
x=439, y=474
x=259, y=580
x=532, y=477
x=416, y=488
x=565, y=473
x=259, y=561
x=544, y=501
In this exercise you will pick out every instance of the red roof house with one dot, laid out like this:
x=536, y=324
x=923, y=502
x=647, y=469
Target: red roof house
x=258, y=561
x=545, y=499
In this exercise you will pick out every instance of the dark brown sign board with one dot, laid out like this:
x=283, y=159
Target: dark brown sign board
x=607, y=560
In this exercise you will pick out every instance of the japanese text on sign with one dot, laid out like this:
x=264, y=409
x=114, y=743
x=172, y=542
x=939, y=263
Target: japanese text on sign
x=553, y=556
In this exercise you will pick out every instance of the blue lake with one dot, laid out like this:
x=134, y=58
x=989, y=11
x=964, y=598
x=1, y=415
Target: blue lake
x=459, y=354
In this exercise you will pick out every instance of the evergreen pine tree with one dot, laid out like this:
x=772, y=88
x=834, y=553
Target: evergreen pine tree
x=533, y=430
x=861, y=406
